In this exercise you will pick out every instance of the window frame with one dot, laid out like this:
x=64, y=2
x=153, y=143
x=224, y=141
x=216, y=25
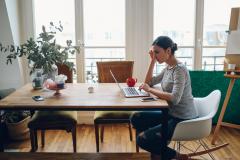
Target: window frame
x=80, y=59
x=138, y=30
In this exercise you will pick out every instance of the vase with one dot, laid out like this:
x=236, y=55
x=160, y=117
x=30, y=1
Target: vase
x=37, y=79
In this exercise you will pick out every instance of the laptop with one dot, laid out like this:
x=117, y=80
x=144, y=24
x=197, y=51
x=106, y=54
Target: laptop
x=130, y=92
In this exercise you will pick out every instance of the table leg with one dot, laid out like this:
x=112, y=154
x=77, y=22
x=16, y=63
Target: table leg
x=1, y=145
x=223, y=111
x=164, y=132
x=1, y=137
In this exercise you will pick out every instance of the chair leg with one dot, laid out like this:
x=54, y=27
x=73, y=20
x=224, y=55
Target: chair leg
x=178, y=146
x=97, y=136
x=35, y=139
x=74, y=138
x=102, y=133
x=174, y=145
x=32, y=138
x=130, y=131
x=207, y=151
x=137, y=147
x=205, y=146
x=43, y=137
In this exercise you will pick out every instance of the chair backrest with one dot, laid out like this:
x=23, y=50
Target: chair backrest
x=195, y=129
x=121, y=70
x=64, y=69
x=208, y=105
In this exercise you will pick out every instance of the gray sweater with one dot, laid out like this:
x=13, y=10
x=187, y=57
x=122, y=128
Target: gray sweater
x=176, y=80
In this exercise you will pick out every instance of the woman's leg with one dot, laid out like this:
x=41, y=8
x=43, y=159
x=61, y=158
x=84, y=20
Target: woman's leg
x=141, y=121
x=151, y=139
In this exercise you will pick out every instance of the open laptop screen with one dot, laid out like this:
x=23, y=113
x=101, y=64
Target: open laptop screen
x=115, y=79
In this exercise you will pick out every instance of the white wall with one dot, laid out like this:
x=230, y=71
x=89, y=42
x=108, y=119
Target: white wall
x=9, y=34
x=13, y=14
x=27, y=31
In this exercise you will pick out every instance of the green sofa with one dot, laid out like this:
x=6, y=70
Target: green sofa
x=203, y=82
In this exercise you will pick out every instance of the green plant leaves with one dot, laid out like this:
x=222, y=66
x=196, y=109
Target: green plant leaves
x=44, y=52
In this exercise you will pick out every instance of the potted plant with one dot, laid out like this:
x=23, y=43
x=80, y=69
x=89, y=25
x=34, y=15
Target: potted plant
x=17, y=124
x=44, y=52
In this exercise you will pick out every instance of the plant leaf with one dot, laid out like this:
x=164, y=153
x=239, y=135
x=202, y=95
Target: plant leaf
x=9, y=61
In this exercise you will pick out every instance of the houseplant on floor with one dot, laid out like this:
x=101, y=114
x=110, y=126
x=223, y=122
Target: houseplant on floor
x=16, y=122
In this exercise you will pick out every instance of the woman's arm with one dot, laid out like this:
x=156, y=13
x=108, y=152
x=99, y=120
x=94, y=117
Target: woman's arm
x=177, y=91
x=179, y=78
x=163, y=95
x=150, y=72
x=148, y=77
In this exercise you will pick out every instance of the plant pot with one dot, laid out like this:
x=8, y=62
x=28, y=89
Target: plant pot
x=19, y=130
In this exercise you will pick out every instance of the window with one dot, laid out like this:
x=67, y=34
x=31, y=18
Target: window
x=104, y=33
x=103, y=28
x=45, y=12
x=176, y=19
x=216, y=23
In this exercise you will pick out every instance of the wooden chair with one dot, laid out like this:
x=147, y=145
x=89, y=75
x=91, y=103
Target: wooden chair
x=53, y=120
x=64, y=69
x=122, y=70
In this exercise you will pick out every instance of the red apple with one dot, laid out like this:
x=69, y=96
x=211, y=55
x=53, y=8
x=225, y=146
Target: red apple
x=131, y=81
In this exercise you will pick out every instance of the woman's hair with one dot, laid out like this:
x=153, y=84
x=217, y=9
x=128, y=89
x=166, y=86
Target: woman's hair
x=165, y=42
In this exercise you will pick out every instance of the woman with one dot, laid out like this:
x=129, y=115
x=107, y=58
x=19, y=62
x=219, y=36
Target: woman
x=176, y=90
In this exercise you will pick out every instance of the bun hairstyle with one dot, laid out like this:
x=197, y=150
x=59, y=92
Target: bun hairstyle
x=165, y=42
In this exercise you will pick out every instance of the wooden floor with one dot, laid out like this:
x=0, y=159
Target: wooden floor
x=116, y=139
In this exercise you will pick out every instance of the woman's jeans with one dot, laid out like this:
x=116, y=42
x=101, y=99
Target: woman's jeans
x=150, y=123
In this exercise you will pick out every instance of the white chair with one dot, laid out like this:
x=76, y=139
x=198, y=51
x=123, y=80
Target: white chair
x=199, y=128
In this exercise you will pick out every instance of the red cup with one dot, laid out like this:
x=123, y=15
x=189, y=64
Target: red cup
x=131, y=81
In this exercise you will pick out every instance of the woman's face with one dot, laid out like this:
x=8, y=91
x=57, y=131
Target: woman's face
x=162, y=55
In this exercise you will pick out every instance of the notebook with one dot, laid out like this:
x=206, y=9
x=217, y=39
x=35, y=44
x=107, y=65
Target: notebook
x=130, y=91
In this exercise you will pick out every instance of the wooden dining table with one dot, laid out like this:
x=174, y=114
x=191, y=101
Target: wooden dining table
x=76, y=97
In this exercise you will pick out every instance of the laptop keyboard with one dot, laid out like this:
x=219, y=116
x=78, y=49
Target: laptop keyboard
x=131, y=91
